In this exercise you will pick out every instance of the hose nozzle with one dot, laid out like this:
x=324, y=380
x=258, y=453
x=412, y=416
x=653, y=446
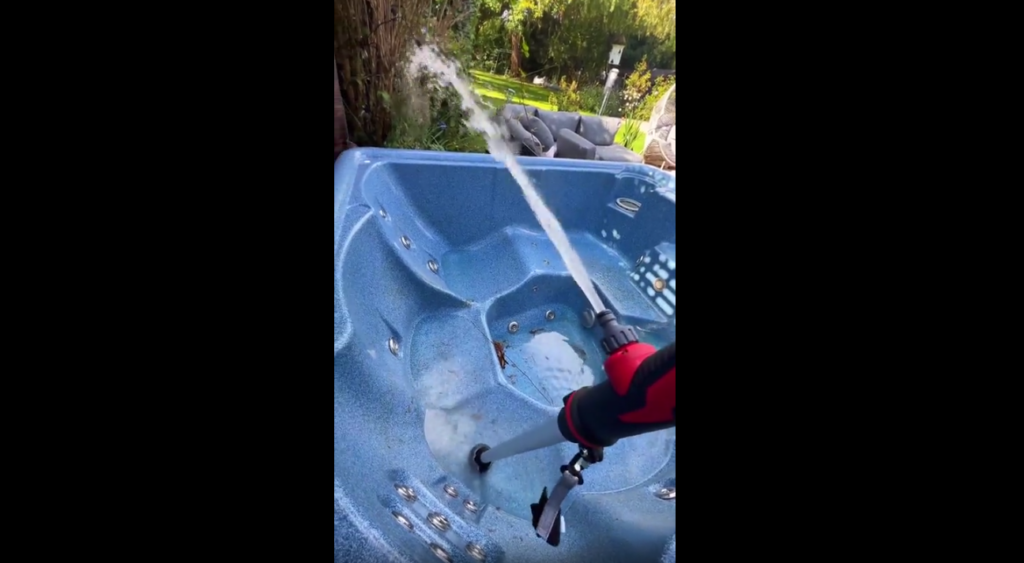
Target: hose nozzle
x=615, y=335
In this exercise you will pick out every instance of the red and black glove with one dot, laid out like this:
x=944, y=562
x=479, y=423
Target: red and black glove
x=639, y=397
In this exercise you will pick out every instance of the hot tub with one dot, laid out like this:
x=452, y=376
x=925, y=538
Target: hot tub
x=456, y=323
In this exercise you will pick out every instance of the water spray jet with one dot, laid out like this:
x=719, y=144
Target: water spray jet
x=639, y=395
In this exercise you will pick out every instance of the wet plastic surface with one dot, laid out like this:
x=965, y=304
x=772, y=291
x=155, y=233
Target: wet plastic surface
x=435, y=255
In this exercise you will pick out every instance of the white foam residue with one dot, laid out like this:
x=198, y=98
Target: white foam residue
x=615, y=234
x=451, y=433
x=444, y=384
x=555, y=366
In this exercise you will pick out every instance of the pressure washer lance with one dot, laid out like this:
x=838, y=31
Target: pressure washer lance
x=638, y=397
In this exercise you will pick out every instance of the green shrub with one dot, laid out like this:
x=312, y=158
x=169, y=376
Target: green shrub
x=630, y=132
x=592, y=96
x=639, y=98
x=638, y=83
x=431, y=118
x=661, y=86
x=568, y=96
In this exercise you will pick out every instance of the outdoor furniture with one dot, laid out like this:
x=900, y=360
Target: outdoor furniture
x=661, y=154
x=660, y=145
x=585, y=137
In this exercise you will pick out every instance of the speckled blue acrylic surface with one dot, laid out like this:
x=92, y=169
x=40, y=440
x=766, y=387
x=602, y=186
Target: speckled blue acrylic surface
x=410, y=418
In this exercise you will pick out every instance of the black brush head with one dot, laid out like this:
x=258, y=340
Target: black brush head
x=555, y=537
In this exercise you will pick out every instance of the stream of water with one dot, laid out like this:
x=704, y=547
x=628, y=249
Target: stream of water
x=479, y=119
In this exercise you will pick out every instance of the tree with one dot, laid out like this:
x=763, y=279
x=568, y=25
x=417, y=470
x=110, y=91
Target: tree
x=573, y=36
x=372, y=39
x=516, y=16
x=583, y=32
x=657, y=18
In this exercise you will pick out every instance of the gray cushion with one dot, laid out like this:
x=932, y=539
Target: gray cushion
x=536, y=127
x=512, y=111
x=571, y=145
x=531, y=145
x=558, y=120
x=617, y=153
x=599, y=130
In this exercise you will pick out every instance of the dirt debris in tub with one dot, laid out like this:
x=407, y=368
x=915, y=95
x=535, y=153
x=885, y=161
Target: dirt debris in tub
x=499, y=349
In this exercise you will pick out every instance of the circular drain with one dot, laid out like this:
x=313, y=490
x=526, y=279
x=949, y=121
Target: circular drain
x=441, y=553
x=432, y=265
x=659, y=284
x=393, y=346
x=476, y=463
x=668, y=493
x=513, y=327
x=627, y=204
x=451, y=491
x=471, y=506
x=405, y=241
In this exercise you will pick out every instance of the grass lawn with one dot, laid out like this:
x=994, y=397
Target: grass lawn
x=492, y=88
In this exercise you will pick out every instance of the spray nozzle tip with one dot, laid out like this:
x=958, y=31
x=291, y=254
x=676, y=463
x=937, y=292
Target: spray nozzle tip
x=615, y=335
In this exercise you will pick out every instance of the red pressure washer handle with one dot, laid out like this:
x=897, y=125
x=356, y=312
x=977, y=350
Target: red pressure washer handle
x=639, y=397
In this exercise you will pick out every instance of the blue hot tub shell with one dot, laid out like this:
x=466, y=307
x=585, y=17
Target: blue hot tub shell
x=435, y=254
